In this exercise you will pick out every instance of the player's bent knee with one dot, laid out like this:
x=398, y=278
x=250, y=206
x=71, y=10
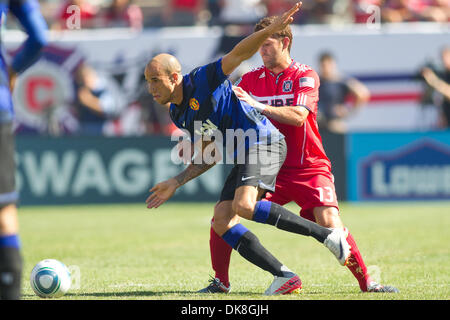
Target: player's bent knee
x=224, y=218
x=328, y=217
x=223, y=210
x=244, y=208
x=219, y=227
x=8, y=219
x=223, y=224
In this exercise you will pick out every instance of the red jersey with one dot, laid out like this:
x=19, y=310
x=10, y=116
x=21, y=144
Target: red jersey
x=298, y=85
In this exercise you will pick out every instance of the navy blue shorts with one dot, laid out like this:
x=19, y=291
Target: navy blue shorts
x=260, y=169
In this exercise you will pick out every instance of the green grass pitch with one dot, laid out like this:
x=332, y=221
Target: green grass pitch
x=127, y=252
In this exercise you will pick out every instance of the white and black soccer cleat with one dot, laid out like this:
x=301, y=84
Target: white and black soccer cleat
x=215, y=286
x=337, y=243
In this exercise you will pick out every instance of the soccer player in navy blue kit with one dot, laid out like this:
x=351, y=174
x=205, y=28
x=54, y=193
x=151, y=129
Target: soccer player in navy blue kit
x=28, y=14
x=203, y=103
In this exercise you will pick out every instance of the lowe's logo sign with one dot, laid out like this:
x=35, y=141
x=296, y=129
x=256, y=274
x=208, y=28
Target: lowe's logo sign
x=420, y=171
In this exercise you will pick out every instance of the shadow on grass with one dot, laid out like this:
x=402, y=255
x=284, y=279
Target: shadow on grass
x=337, y=292
x=187, y=294
x=192, y=294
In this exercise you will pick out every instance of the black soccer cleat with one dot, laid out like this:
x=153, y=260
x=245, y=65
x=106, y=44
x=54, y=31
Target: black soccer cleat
x=376, y=287
x=215, y=286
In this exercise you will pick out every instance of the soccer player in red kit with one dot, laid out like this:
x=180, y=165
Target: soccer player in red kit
x=287, y=93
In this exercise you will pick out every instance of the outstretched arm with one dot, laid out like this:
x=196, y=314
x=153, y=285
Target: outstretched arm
x=246, y=48
x=192, y=172
x=295, y=116
x=163, y=191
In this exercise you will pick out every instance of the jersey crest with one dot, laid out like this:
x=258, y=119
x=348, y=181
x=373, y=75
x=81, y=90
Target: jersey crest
x=287, y=85
x=193, y=103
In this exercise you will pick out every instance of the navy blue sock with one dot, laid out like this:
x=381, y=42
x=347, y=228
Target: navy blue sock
x=247, y=244
x=12, y=241
x=271, y=213
x=234, y=235
x=10, y=267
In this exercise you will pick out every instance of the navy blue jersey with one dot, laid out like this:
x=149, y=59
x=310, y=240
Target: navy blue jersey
x=28, y=14
x=210, y=104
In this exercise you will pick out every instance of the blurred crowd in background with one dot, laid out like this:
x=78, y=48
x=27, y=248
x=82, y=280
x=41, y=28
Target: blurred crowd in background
x=98, y=104
x=140, y=14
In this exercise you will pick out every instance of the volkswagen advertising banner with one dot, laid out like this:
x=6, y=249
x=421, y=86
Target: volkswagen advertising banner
x=79, y=170
x=96, y=169
x=399, y=166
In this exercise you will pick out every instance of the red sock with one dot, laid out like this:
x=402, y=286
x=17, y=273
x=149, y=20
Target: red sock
x=356, y=264
x=220, y=256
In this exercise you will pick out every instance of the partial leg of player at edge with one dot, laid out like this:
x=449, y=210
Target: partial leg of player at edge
x=28, y=14
x=10, y=256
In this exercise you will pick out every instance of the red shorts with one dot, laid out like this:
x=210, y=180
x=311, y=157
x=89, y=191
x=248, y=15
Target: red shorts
x=307, y=188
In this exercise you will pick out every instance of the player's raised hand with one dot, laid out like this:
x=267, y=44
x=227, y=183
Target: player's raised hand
x=286, y=18
x=161, y=192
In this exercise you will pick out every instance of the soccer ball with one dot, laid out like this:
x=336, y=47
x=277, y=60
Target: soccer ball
x=50, y=278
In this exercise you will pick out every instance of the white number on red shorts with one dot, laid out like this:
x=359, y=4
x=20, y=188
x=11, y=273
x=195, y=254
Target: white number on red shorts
x=328, y=192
